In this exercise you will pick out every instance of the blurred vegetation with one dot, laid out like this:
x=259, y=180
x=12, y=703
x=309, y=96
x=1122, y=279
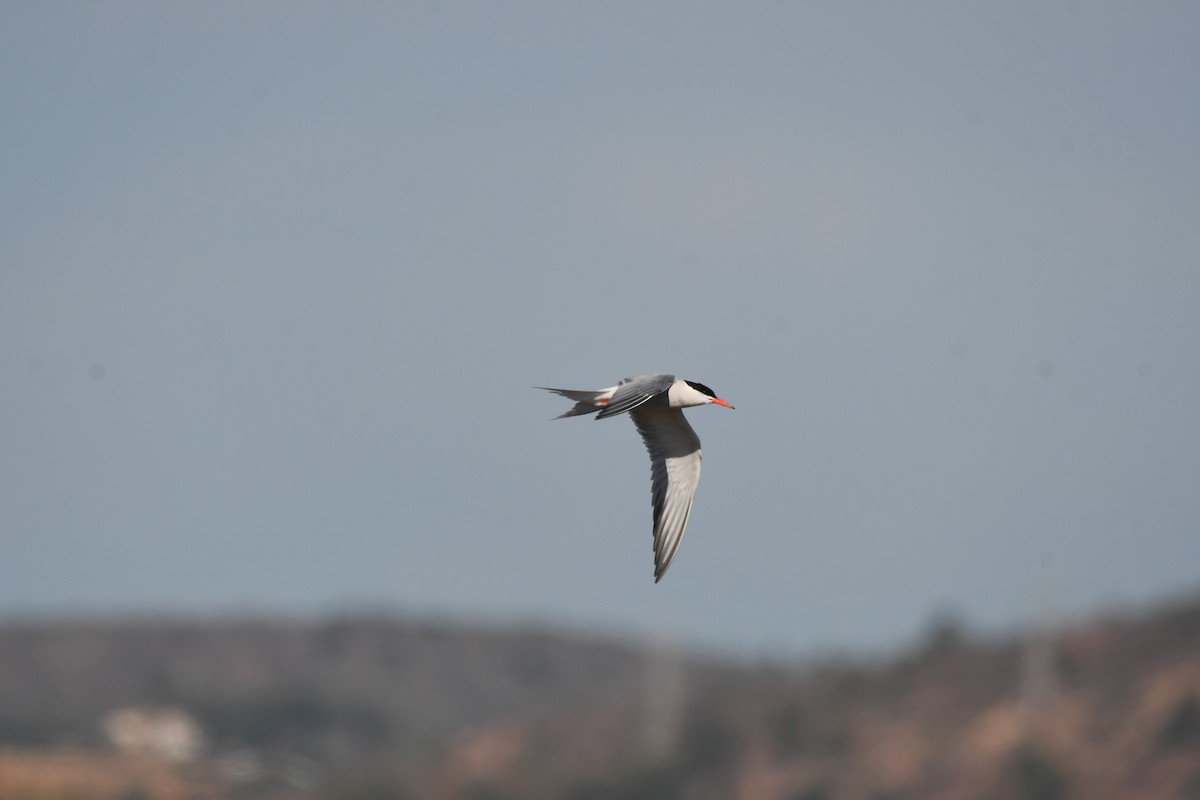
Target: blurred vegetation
x=367, y=683
x=373, y=708
x=1032, y=775
x=1182, y=728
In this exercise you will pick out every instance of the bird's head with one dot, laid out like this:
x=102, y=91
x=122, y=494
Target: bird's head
x=707, y=395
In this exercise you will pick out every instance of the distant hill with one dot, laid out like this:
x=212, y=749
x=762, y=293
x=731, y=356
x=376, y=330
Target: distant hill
x=385, y=708
x=363, y=681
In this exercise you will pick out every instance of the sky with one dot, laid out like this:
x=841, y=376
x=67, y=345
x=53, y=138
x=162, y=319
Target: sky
x=276, y=280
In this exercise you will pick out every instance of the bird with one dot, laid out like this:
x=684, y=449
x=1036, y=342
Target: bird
x=655, y=402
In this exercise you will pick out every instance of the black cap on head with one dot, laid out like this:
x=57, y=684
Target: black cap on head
x=700, y=387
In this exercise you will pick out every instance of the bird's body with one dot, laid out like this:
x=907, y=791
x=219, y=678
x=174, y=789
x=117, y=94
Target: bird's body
x=655, y=404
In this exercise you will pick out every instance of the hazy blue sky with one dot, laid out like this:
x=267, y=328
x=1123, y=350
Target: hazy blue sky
x=275, y=280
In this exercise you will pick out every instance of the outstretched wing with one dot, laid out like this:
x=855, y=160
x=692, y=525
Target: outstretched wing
x=633, y=392
x=675, y=471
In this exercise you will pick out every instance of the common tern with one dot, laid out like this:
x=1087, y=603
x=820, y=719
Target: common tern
x=655, y=402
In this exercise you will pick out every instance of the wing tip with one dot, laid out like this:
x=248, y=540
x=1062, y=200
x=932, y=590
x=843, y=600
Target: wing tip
x=660, y=569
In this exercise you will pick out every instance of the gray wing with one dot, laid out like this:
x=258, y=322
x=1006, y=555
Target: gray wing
x=675, y=469
x=632, y=392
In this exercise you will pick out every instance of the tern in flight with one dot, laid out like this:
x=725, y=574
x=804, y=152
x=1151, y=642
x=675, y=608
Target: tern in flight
x=655, y=402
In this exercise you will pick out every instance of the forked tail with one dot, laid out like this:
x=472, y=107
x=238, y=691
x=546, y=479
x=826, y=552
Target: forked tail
x=586, y=402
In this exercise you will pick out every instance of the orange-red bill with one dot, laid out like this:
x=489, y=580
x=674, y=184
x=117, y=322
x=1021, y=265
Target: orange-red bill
x=721, y=402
